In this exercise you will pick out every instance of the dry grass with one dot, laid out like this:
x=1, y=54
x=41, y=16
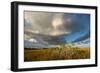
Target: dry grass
x=56, y=54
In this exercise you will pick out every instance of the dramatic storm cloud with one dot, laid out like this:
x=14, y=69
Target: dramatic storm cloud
x=45, y=23
x=48, y=28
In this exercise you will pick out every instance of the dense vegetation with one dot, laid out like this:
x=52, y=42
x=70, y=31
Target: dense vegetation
x=58, y=53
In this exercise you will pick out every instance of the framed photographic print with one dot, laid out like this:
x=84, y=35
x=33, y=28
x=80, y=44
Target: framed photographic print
x=52, y=36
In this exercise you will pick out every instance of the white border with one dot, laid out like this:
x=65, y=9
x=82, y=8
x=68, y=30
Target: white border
x=22, y=64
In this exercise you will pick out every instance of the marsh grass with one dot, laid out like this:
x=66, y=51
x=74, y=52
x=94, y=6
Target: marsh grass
x=58, y=53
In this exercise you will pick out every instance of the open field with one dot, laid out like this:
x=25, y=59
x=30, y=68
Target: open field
x=56, y=54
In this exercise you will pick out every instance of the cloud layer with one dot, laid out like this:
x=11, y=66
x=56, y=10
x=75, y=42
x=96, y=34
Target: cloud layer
x=47, y=28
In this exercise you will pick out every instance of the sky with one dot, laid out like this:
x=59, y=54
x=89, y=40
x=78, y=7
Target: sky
x=44, y=29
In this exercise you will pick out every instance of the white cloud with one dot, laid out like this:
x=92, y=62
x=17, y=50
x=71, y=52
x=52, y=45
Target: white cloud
x=33, y=40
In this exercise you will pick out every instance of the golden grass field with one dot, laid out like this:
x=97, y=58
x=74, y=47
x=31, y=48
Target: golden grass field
x=56, y=54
